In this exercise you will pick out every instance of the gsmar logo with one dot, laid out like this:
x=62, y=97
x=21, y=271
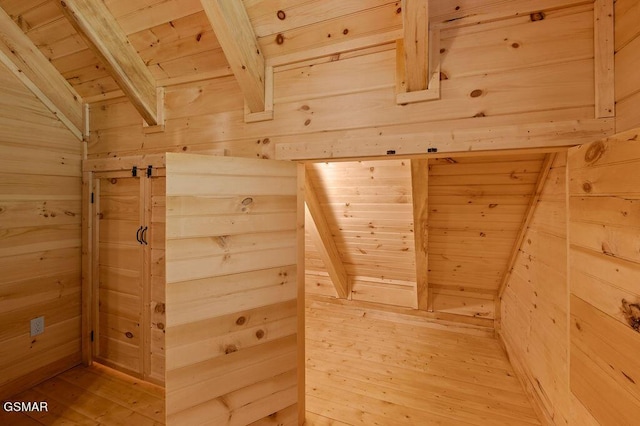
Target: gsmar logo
x=25, y=406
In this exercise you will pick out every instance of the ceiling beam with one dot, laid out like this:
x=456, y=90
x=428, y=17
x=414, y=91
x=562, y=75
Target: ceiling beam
x=235, y=34
x=320, y=233
x=531, y=208
x=415, y=21
x=24, y=59
x=97, y=26
x=420, y=198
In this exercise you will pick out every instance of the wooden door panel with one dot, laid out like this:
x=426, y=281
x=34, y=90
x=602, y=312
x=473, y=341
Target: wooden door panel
x=120, y=273
x=233, y=330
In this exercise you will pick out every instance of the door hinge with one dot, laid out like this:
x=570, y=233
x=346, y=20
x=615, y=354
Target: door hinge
x=92, y=335
x=134, y=171
x=92, y=197
x=149, y=170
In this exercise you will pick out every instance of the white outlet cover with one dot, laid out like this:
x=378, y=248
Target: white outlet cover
x=37, y=326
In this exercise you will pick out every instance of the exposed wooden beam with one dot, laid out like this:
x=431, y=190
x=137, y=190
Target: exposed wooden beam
x=320, y=233
x=531, y=208
x=22, y=57
x=604, y=58
x=419, y=192
x=97, y=26
x=415, y=20
x=446, y=137
x=235, y=34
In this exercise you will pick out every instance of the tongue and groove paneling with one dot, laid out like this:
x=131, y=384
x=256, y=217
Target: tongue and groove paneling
x=232, y=321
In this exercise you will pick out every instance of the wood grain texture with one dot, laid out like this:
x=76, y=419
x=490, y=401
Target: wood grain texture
x=627, y=58
x=91, y=395
x=242, y=366
x=235, y=34
x=40, y=239
x=107, y=40
x=370, y=366
x=603, y=269
x=20, y=55
x=534, y=305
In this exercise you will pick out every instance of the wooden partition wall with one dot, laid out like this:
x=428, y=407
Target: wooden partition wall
x=234, y=332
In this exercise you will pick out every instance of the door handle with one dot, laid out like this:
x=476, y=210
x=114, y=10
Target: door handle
x=144, y=236
x=138, y=235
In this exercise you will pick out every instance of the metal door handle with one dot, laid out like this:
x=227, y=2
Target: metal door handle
x=144, y=235
x=138, y=235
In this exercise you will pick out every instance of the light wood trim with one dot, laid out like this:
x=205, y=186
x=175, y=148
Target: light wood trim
x=267, y=114
x=604, y=58
x=97, y=26
x=361, y=143
x=325, y=244
x=124, y=163
x=432, y=92
x=415, y=21
x=87, y=268
x=25, y=61
x=454, y=320
x=419, y=192
x=300, y=238
x=531, y=208
x=235, y=34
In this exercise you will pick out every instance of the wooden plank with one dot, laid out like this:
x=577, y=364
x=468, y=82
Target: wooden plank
x=419, y=195
x=29, y=65
x=322, y=237
x=415, y=22
x=530, y=212
x=363, y=143
x=604, y=58
x=97, y=26
x=233, y=29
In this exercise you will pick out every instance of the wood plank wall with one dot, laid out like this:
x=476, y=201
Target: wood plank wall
x=534, y=306
x=40, y=211
x=627, y=62
x=501, y=72
x=604, y=278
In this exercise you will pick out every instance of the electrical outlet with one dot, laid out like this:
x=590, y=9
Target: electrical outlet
x=37, y=326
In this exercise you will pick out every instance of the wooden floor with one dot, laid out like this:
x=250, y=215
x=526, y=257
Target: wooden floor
x=369, y=367
x=93, y=395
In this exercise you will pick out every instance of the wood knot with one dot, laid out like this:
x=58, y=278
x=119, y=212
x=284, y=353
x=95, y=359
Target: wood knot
x=595, y=151
x=443, y=76
x=160, y=308
x=279, y=39
x=100, y=216
x=230, y=349
x=114, y=181
x=476, y=93
x=260, y=334
x=247, y=201
x=129, y=335
x=345, y=31
x=160, y=326
x=241, y=320
x=307, y=121
x=586, y=187
x=537, y=16
x=631, y=312
x=515, y=45
x=281, y=15
x=493, y=206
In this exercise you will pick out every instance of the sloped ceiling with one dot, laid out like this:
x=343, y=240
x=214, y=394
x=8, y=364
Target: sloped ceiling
x=476, y=209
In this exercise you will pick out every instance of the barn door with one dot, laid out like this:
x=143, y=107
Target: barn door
x=119, y=272
x=234, y=330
